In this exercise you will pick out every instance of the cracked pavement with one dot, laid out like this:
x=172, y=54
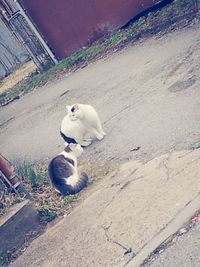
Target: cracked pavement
x=147, y=96
x=120, y=215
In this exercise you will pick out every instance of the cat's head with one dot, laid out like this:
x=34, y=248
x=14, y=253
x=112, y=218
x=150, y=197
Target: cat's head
x=74, y=112
x=76, y=149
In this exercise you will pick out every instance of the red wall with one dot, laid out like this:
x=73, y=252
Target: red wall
x=67, y=25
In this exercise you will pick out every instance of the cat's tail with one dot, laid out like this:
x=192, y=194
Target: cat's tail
x=66, y=189
x=82, y=182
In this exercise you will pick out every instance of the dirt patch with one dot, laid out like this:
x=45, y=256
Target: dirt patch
x=18, y=75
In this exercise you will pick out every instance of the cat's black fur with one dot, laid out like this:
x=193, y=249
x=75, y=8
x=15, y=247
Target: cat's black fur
x=59, y=169
x=68, y=139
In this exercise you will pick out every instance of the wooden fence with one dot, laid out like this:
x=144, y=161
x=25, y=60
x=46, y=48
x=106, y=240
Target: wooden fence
x=12, y=53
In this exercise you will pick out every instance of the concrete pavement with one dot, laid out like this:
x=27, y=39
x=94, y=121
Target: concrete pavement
x=148, y=96
x=184, y=251
x=121, y=214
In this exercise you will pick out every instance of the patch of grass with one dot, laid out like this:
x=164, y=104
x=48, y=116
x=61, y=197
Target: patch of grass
x=47, y=215
x=5, y=259
x=69, y=199
x=92, y=51
x=116, y=38
x=37, y=174
x=48, y=202
x=52, y=207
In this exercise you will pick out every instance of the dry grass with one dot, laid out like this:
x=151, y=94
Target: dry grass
x=48, y=202
x=17, y=75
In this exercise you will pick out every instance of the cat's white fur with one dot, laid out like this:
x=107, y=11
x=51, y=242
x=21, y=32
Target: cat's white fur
x=82, y=123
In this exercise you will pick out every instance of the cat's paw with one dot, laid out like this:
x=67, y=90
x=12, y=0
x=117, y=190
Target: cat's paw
x=99, y=136
x=86, y=142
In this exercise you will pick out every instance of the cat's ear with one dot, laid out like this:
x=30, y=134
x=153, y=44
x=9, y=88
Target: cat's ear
x=74, y=108
x=72, y=146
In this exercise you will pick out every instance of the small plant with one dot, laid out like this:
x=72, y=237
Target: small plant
x=69, y=199
x=5, y=258
x=93, y=51
x=48, y=202
x=37, y=174
x=115, y=38
x=47, y=215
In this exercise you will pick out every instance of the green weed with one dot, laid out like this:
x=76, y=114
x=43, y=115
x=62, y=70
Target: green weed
x=47, y=215
x=69, y=199
x=48, y=202
x=36, y=174
x=93, y=51
x=5, y=258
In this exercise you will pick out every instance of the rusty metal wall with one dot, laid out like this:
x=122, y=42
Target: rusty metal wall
x=67, y=25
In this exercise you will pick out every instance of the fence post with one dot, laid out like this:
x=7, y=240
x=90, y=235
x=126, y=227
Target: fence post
x=12, y=179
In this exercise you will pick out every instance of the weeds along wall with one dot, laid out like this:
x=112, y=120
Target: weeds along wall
x=66, y=26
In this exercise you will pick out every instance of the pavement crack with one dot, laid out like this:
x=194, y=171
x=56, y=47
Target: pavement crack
x=108, y=204
x=130, y=181
x=186, y=154
x=164, y=163
x=186, y=167
x=114, y=115
x=6, y=122
x=192, y=161
x=125, y=185
x=134, y=171
x=109, y=239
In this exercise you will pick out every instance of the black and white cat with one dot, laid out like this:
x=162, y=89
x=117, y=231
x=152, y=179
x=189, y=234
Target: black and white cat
x=63, y=171
x=81, y=125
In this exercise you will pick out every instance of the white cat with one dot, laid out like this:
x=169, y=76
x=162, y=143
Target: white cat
x=63, y=171
x=81, y=125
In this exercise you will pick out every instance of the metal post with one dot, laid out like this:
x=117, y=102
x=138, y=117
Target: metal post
x=33, y=28
x=12, y=179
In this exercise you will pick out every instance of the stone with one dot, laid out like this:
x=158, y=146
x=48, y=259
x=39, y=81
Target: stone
x=15, y=224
